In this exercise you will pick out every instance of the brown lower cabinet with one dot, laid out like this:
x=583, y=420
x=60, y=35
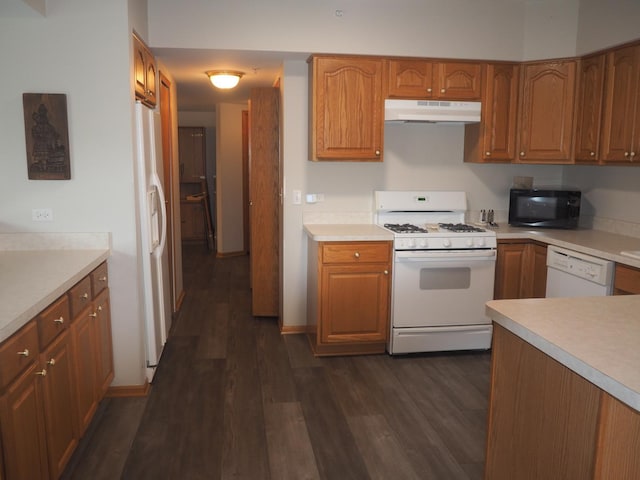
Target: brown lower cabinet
x=53, y=373
x=349, y=294
x=545, y=421
x=627, y=280
x=521, y=269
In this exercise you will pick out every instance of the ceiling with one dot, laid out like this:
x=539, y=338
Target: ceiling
x=187, y=67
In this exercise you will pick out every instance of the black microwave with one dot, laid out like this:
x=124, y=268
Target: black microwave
x=544, y=207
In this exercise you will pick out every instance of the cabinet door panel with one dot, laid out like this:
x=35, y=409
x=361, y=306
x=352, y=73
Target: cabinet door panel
x=621, y=90
x=355, y=304
x=460, y=81
x=510, y=264
x=59, y=404
x=84, y=360
x=410, y=79
x=501, y=102
x=348, y=111
x=546, y=112
x=23, y=430
x=104, y=346
x=589, y=115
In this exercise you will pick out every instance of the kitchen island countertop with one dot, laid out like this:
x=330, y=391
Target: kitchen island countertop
x=347, y=232
x=36, y=270
x=596, y=337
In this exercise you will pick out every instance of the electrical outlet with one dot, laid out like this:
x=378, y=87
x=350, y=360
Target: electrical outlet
x=42, y=215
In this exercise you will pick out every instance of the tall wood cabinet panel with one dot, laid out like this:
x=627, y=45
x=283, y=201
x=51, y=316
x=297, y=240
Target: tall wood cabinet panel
x=543, y=417
x=347, y=110
x=103, y=343
x=546, y=112
x=589, y=109
x=426, y=79
x=264, y=200
x=144, y=73
x=494, y=138
x=621, y=122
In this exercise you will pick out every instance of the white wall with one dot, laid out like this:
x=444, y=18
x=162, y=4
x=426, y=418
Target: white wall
x=81, y=48
x=229, y=227
x=607, y=23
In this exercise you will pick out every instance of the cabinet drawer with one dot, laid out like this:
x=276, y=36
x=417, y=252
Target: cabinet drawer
x=99, y=279
x=356, y=252
x=53, y=320
x=80, y=296
x=18, y=352
x=627, y=279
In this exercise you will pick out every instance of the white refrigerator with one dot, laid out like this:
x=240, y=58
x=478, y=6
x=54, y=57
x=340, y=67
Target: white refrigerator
x=153, y=258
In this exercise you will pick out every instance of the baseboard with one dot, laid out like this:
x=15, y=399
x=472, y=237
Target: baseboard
x=293, y=329
x=230, y=254
x=129, y=390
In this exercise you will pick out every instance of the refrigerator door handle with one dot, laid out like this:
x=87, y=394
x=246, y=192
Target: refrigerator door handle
x=155, y=181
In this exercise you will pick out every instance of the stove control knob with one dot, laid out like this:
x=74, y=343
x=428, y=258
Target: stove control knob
x=411, y=243
x=422, y=243
x=481, y=242
x=446, y=243
x=469, y=242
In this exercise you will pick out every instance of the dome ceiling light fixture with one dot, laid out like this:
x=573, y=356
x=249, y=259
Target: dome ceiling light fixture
x=224, y=79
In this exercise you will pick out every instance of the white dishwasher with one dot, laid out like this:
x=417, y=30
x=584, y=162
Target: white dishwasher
x=574, y=274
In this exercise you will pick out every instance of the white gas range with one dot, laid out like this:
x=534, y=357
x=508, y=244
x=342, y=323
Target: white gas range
x=443, y=272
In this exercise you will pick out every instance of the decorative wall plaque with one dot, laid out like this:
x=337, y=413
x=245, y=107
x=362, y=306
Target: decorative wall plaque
x=47, y=135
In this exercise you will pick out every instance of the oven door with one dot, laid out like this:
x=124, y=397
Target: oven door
x=438, y=300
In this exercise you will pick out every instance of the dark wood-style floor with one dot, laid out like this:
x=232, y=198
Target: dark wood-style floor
x=234, y=399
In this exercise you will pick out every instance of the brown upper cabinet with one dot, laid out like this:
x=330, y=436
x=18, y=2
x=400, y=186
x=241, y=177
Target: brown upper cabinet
x=621, y=120
x=589, y=109
x=546, y=111
x=347, y=110
x=424, y=79
x=494, y=138
x=144, y=72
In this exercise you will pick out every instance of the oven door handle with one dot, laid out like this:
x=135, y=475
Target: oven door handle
x=419, y=256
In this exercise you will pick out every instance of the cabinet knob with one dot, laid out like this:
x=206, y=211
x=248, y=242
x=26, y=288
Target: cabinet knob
x=626, y=154
x=51, y=362
x=104, y=279
x=522, y=154
x=84, y=296
x=378, y=153
x=99, y=308
x=632, y=154
x=429, y=90
x=357, y=255
x=386, y=272
x=442, y=90
x=59, y=320
x=24, y=353
x=593, y=154
x=42, y=373
x=488, y=154
x=93, y=315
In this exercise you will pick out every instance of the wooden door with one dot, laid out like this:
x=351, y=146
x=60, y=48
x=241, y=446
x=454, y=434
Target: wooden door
x=546, y=112
x=168, y=177
x=459, y=80
x=264, y=200
x=510, y=265
x=620, y=103
x=59, y=403
x=103, y=343
x=23, y=430
x=84, y=361
x=494, y=138
x=538, y=253
x=409, y=79
x=347, y=109
x=589, y=109
x=354, y=303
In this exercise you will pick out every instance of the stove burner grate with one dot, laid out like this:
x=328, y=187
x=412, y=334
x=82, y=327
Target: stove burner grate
x=404, y=228
x=460, y=228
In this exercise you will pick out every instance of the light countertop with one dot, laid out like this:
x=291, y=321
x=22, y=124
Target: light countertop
x=596, y=337
x=34, y=277
x=347, y=232
x=591, y=242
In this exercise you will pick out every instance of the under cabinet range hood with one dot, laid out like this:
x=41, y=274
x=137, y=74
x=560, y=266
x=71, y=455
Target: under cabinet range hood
x=431, y=111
